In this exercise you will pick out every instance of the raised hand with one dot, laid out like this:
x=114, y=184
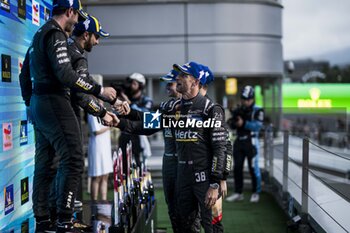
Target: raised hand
x=110, y=119
x=122, y=107
x=125, y=97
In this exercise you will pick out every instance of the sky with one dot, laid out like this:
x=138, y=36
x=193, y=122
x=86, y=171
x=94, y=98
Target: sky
x=312, y=28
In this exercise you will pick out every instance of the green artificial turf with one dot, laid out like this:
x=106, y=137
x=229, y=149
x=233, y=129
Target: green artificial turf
x=239, y=217
x=163, y=220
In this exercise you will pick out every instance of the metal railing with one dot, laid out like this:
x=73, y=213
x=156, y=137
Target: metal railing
x=307, y=183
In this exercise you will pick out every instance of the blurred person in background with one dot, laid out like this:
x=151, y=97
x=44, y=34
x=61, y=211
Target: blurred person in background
x=133, y=123
x=247, y=119
x=100, y=158
x=132, y=93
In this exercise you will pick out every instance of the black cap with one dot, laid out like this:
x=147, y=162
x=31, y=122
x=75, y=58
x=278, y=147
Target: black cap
x=247, y=93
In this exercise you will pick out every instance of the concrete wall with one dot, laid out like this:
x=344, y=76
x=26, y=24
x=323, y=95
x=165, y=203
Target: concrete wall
x=232, y=38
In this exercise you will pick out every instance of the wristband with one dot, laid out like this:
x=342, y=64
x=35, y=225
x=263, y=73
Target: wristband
x=214, y=186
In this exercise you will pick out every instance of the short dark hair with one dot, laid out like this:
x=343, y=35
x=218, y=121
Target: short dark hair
x=77, y=32
x=59, y=11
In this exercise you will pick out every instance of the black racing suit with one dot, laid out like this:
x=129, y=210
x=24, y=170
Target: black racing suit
x=78, y=99
x=57, y=131
x=169, y=174
x=247, y=145
x=169, y=167
x=218, y=227
x=201, y=154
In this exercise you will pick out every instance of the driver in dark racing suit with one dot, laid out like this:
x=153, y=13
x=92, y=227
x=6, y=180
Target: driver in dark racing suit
x=56, y=128
x=200, y=163
x=201, y=151
x=217, y=208
x=80, y=64
x=83, y=39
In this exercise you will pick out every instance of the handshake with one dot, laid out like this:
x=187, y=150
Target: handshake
x=111, y=119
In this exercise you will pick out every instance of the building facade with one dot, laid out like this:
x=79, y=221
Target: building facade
x=240, y=39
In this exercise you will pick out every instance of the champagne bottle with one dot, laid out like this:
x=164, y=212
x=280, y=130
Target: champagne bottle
x=127, y=206
x=132, y=206
x=102, y=228
x=151, y=189
x=137, y=198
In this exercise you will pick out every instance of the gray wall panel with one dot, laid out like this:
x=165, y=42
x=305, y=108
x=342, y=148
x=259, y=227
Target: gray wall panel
x=123, y=59
x=141, y=20
x=231, y=38
x=243, y=58
x=225, y=18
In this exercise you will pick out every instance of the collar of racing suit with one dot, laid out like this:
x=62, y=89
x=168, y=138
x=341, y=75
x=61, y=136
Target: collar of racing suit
x=54, y=22
x=189, y=102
